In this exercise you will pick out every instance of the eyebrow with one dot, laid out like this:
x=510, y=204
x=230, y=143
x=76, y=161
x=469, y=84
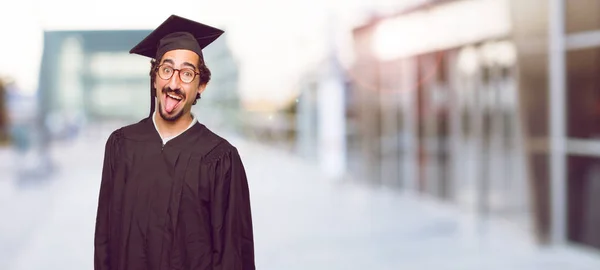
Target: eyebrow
x=169, y=61
x=189, y=64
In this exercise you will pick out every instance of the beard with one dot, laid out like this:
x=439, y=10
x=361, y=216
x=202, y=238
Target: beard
x=170, y=118
x=161, y=109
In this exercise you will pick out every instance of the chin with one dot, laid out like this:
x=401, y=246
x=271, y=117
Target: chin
x=171, y=117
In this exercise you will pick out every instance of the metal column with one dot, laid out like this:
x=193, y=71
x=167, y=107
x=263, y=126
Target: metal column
x=557, y=111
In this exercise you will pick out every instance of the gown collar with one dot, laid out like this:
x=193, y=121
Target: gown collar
x=167, y=139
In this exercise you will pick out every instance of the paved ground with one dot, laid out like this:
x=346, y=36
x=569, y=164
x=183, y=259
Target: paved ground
x=302, y=221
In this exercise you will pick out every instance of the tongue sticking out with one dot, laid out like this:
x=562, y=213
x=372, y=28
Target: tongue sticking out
x=170, y=104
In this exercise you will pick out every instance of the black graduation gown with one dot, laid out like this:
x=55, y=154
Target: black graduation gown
x=184, y=205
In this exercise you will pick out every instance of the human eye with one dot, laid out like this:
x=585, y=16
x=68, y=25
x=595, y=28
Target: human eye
x=188, y=73
x=167, y=69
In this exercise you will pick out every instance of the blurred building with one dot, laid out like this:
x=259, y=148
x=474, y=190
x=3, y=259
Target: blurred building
x=220, y=106
x=89, y=75
x=438, y=109
x=322, y=116
x=463, y=101
x=3, y=114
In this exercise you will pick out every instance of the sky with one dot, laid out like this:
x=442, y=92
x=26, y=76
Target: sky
x=274, y=41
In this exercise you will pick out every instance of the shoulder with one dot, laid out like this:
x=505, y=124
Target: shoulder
x=142, y=131
x=113, y=145
x=115, y=137
x=138, y=131
x=221, y=149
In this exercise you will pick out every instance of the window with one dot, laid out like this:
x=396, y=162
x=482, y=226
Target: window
x=582, y=15
x=583, y=93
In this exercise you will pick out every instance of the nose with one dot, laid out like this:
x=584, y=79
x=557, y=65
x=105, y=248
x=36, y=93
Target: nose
x=174, y=81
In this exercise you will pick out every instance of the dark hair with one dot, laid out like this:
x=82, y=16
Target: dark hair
x=203, y=70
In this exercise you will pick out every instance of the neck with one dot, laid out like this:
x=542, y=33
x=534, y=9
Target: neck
x=172, y=128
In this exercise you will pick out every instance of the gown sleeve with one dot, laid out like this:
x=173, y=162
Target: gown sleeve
x=231, y=219
x=101, y=235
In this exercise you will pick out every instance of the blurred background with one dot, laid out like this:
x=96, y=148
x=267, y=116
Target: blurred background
x=379, y=134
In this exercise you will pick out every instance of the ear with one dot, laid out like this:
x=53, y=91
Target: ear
x=201, y=88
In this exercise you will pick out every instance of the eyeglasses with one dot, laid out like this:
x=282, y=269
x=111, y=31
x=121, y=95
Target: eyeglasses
x=186, y=75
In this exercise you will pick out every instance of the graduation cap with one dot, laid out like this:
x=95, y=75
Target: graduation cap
x=176, y=33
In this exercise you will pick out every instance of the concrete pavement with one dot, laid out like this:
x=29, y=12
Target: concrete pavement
x=302, y=220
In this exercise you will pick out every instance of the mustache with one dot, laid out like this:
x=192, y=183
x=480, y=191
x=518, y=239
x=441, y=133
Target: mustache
x=177, y=92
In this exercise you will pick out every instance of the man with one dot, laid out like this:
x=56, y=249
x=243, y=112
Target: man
x=173, y=195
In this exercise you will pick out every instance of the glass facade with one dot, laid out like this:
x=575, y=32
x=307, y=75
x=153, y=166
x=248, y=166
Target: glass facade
x=581, y=15
x=583, y=200
x=582, y=24
x=446, y=124
x=583, y=93
x=470, y=124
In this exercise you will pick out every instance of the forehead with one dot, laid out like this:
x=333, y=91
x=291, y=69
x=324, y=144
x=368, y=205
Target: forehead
x=181, y=56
